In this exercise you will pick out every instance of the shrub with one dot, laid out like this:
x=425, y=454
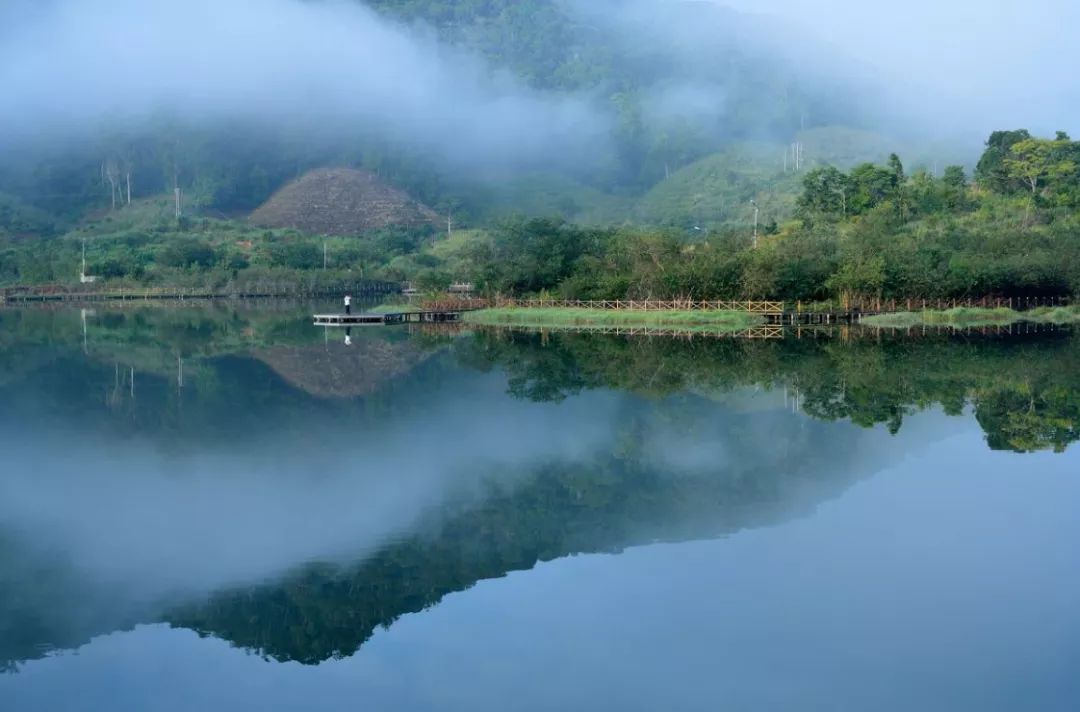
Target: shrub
x=186, y=252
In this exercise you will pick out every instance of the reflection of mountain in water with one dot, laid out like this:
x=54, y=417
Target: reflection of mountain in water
x=638, y=489
x=327, y=611
x=338, y=371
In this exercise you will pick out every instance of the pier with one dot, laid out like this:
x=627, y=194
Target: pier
x=404, y=317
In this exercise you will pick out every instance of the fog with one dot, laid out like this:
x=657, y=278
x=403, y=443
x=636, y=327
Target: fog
x=69, y=66
x=934, y=78
x=953, y=66
x=72, y=68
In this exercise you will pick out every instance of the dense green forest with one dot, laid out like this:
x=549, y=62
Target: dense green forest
x=874, y=231
x=668, y=210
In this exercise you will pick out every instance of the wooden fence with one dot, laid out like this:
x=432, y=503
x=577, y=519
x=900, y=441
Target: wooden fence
x=762, y=306
x=750, y=306
x=888, y=306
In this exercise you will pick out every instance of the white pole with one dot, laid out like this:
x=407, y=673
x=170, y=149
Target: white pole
x=754, y=203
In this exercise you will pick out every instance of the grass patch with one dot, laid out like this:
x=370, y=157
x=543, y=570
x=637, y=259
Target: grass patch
x=392, y=309
x=566, y=317
x=964, y=317
x=1053, y=315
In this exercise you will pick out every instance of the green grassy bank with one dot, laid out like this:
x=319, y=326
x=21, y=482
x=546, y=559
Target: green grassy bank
x=569, y=318
x=964, y=317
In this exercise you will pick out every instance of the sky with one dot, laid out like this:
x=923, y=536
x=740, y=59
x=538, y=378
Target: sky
x=993, y=62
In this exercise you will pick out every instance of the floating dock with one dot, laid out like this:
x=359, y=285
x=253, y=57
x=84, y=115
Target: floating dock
x=408, y=317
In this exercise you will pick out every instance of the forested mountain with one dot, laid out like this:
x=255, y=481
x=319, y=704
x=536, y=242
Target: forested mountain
x=644, y=138
x=672, y=83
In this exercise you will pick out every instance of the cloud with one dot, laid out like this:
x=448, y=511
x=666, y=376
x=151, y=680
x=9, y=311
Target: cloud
x=69, y=65
x=956, y=65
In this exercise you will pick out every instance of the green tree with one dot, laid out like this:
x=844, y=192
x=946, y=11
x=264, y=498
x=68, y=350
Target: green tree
x=873, y=186
x=826, y=192
x=990, y=171
x=186, y=252
x=1039, y=163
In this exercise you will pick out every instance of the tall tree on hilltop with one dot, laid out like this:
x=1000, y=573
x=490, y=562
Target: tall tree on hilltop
x=1039, y=163
x=990, y=172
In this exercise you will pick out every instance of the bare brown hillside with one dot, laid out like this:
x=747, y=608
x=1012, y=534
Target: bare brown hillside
x=341, y=201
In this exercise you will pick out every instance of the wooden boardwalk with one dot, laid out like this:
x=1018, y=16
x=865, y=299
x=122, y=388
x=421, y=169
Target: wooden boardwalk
x=63, y=293
x=406, y=317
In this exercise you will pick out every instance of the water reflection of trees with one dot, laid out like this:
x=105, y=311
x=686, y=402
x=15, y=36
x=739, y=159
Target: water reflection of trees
x=1025, y=392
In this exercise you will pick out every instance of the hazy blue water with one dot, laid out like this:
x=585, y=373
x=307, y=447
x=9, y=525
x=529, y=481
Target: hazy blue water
x=429, y=521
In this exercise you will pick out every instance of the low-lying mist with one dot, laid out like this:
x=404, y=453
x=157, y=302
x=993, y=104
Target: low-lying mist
x=76, y=68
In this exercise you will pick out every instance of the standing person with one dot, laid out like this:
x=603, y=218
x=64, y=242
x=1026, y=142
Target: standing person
x=348, y=304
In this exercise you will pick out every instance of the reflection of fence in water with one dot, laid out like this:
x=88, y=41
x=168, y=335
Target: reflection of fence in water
x=756, y=332
x=841, y=332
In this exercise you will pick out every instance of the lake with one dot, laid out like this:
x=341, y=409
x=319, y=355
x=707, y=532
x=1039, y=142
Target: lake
x=222, y=507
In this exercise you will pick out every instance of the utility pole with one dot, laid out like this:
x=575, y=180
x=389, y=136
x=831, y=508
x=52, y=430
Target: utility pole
x=754, y=203
x=179, y=206
x=798, y=156
x=324, y=255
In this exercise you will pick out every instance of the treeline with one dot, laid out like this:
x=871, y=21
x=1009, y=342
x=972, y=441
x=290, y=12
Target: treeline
x=147, y=246
x=872, y=232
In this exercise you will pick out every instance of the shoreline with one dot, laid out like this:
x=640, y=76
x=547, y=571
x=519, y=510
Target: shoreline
x=974, y=316
x=564, y=317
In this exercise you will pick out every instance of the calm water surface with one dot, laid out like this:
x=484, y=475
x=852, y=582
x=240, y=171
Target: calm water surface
x=223, y=508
